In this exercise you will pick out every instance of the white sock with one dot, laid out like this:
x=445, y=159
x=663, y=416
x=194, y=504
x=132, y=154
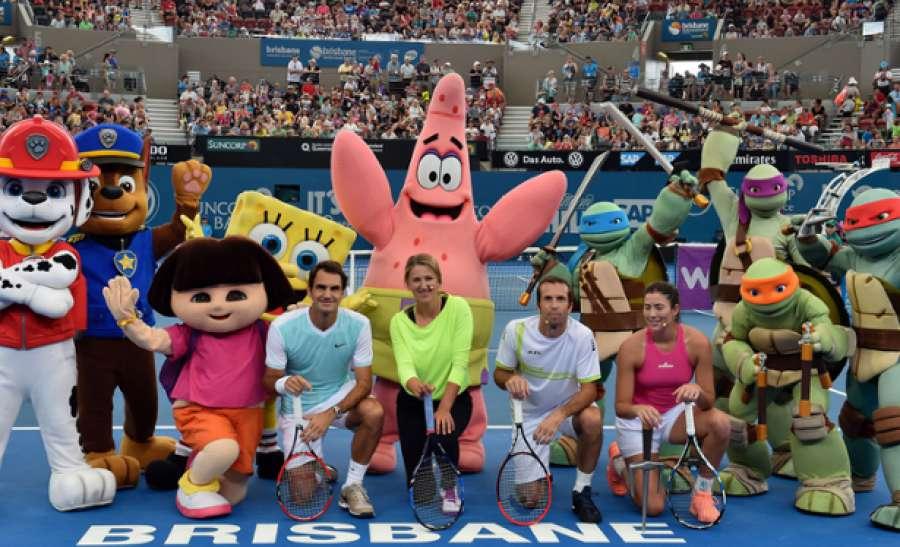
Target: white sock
x=355, y=473
x=703, y=484
x=582, y=480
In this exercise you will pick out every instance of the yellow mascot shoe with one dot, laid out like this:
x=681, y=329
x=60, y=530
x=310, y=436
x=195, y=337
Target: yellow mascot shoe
x=157, y=448
x=126, y=469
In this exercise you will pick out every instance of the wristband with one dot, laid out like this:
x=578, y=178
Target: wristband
x=125, y=321
x=279, y=385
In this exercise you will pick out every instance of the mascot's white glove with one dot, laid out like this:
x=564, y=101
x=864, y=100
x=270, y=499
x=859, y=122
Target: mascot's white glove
x=81, y=488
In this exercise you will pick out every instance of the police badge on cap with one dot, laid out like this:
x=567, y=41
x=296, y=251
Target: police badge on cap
x=108, y=137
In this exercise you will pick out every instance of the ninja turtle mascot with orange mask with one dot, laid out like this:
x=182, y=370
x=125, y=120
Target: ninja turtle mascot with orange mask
x=870, y=263
x=778, y=347
x=44, y=192
x=116, y=241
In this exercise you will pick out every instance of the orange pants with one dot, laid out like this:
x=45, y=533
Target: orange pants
x=200, y=426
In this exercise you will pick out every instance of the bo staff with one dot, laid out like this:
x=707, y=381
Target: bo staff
x=724, y=120
x=550, y=248
x=622, y=121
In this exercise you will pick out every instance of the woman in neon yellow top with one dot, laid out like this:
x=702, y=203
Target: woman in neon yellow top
x=431, y=341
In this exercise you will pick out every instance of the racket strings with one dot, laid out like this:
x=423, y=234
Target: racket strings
x=688, y=507
x=523, y=488
x=436, y=493
x=305, y=490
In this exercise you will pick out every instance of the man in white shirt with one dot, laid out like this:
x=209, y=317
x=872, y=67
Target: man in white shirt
x=550, y=362
x=294, y=72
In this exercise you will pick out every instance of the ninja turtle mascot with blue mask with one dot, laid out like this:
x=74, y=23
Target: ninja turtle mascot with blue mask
x=608, y=273
x=870, y=263
x=778, y=347
x=753, y=225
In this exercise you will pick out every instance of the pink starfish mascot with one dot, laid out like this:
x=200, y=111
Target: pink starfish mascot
x=435, y=214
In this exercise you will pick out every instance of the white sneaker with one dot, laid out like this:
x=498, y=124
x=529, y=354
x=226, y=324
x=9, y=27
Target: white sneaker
x=201, y=505
x=451, y=503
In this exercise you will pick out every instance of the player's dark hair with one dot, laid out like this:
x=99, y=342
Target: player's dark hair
x=553, y=279
x=667, y=290
x=328, y=266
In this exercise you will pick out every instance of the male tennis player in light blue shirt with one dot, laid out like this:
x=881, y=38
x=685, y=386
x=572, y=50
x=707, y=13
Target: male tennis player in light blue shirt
x=323, y=353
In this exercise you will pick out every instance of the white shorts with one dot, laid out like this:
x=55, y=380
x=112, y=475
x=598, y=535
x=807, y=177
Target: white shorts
x=288, y=429
x=530, y=424
x=631, y=440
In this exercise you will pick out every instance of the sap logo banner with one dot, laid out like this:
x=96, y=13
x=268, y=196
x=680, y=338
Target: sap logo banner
x=383, y=532
x=795, y=186
x=630, y=159
x=638, y=210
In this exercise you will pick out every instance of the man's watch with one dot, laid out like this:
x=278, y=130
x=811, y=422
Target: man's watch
x=338, y=413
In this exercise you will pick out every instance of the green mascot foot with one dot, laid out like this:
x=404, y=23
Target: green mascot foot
x=563, y=451
x=783, y=465
x=831, y=496
x=739, y=480
x=888, y=516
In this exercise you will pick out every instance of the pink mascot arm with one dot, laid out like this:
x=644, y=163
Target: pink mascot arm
x=520, y=217
x=361, y=189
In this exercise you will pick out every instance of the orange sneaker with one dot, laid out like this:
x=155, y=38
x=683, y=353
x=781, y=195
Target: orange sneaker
x=617, y=484
x=703, y=507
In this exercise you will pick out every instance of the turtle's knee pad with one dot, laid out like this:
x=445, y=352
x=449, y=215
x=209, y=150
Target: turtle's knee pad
x=812, y=428
x=854, y=423
x=887, y=426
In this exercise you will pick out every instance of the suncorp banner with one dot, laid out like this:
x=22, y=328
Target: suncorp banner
x=331, y=53
x=688, y=30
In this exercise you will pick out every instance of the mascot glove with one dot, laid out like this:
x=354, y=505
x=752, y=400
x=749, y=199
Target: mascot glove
x=747, y=369
x=823, y=341
x=361, y=301
x=541, y=258
x=17, y=291
x=81, y=488
x=720, y=149
x=121, y=298
x=686, y=179
x=190, y=179
x=193, y=229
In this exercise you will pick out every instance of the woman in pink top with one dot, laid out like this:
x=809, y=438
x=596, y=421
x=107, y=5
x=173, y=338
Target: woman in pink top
x=658, y=368
x=219, y=289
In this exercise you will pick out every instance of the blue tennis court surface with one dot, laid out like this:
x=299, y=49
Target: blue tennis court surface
x=145, y=517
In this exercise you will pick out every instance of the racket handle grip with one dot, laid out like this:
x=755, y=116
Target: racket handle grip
x=701, y=201
x=647, y=439
x=524, y=298
x=517, y=411
x=429, y=412
x=689, y=426
x=297, y=408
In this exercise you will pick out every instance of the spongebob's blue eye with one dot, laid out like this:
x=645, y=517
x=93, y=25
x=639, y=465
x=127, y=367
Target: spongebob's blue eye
x=272, y=243
x=270, y=237
x=307, y=254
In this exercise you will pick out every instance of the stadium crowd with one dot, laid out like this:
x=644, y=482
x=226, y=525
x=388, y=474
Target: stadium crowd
x=373, y=103
x=492, y=21
x=111, y=15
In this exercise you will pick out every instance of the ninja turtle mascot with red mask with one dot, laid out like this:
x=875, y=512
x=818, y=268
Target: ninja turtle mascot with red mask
x=870, y=263
x=44, y=192
x=116, y=241
x=780, y=341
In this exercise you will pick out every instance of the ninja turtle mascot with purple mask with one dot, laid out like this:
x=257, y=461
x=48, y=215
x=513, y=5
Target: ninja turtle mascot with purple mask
x=609, y=270
x=870, y=263
x=752, y=223
x=769, y=327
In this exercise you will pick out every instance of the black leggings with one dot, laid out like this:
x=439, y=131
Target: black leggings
x=411, y=428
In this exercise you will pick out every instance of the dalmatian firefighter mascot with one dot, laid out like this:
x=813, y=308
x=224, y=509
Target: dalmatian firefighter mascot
x=44, y=191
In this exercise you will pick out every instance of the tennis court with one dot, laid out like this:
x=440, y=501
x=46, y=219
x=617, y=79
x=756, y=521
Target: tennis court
x=145, y=517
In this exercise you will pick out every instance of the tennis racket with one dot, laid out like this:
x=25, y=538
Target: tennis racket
x=305, y=486
x=436, y=491
x=524, y=486
x=693, y=462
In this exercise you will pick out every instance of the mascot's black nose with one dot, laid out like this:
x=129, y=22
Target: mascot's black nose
x=111, y=192
x=34, y=197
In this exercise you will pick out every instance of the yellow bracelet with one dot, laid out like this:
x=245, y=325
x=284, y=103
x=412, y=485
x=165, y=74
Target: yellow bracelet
x=126, y=321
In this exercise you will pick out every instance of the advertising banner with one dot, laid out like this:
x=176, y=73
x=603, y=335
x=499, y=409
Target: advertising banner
x=688, y=30
x=331, y=53
x=692, y=275
x=629, y=160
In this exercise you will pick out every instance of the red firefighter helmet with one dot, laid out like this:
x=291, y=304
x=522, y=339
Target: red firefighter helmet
x=41, y=149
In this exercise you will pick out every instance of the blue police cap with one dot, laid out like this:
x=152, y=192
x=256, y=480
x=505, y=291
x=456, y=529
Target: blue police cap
x=111, y=143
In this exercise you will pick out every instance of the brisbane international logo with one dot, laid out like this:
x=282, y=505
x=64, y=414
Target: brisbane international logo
x=674, y=28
